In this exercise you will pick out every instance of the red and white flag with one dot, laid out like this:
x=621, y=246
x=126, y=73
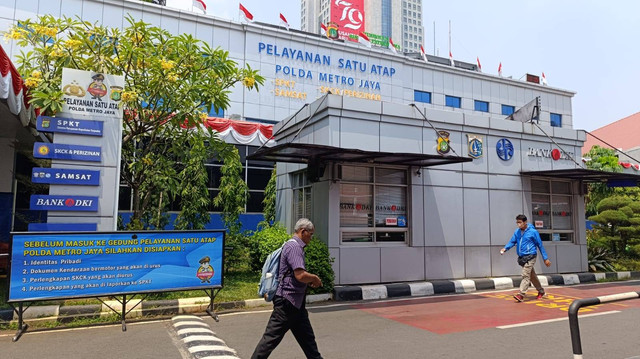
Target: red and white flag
x=200, y=5
x=500, y=69
x=392, y=47
x=323, y=29
x=424, y=55
x=246, y=14
x=544, y=79
x=451, y=59
x=479, y=66
x=284, y=21
x=364, y=39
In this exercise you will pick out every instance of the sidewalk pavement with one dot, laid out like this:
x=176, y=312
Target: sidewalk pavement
x=341, y=293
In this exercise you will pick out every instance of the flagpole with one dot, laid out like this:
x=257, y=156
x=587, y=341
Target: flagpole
x=449, y=36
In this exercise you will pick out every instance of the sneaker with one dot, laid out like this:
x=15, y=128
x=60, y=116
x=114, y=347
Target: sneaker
x=541, y=295
x=519, y=297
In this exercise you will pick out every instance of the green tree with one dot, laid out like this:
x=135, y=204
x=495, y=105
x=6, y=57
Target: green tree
x=232, y=199
x=269, y=201
x=601, y=159
x=171, y=83
x=618, y=220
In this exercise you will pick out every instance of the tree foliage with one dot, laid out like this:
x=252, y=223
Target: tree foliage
x=601, y=159
x=171, y=84
x=269, y=201
x=618, y=225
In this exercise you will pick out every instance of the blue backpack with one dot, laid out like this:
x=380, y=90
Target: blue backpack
x=269, y=280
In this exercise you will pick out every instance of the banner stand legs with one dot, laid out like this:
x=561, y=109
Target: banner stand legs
x=210, y=308
x=22, y=326
x=123, y=313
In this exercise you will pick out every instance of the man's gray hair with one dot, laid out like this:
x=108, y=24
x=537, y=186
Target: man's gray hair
x=303, y=223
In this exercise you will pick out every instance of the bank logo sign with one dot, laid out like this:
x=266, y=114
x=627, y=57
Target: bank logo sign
x=69, y=125
x=504, y=149
x=58, y=151
x=63, y=203
x=65, y=176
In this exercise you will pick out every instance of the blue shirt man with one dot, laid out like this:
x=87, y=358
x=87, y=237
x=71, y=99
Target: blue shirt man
x=289, y=312
x=527, y=241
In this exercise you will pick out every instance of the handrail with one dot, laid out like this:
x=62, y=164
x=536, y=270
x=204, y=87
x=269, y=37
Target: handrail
x=579, y=303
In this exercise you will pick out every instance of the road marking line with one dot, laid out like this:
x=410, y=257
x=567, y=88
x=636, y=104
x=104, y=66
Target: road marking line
x=195, y=338
x=210, y=348
x=553, y=320
x=194, y=323
x=189, y=331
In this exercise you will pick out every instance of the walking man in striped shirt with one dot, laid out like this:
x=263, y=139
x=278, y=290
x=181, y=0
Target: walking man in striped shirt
x=289, y=312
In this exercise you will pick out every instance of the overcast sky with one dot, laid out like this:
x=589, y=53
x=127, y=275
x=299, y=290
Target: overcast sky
x=590, y=47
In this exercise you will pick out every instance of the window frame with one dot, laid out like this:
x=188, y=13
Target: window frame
x=550, y=194
x=373, y=230
x=448, y=101
x=555, y=119
x=507, y=113
x=482, y=104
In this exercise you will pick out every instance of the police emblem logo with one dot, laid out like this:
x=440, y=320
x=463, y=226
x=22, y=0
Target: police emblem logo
x=332, y=30
x=43, y=150
x=474, y=145
x=504, y=149
x=443, y=142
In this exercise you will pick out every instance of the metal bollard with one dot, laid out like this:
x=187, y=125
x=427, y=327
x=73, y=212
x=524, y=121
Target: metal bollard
x=579, y=303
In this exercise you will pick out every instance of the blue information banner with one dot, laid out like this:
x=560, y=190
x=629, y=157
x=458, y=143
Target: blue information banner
x=55, y=266
x=59, y=151
x=62, y=227
x=63, y=203
x=69, y=125
x=65, y=176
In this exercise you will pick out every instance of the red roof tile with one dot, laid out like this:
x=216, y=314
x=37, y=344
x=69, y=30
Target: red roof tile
x=623, y=134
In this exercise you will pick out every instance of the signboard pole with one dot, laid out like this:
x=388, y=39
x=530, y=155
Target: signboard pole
x=211, y=293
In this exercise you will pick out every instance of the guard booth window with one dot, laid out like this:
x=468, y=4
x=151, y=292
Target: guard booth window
x=552, y=209
x=373, y=204
x=301, y=196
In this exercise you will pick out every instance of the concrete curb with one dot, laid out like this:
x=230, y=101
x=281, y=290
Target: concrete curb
x=418, y=289
x=341, y=293
x=146, y=308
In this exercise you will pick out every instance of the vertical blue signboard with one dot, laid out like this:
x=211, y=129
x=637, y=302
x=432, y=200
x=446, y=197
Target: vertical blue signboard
x=48, y=266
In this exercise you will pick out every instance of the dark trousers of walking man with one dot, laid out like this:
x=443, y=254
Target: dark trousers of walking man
x=285, y=317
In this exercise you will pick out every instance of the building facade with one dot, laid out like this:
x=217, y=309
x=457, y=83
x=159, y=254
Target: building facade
x=400, y=20
x=448, y=170
x=621, y=135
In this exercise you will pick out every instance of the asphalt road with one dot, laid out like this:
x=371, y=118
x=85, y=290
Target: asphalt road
x=478, y=325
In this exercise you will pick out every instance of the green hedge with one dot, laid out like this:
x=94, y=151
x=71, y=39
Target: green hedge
x=269, y=238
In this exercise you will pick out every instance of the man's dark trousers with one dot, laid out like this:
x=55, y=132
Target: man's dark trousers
x=286, y=316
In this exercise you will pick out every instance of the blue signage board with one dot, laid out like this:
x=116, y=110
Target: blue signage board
x=47, y=266
x=63, y=203
x=63, y=227
x=65, y=176
x=69, y=125
x=59, y=151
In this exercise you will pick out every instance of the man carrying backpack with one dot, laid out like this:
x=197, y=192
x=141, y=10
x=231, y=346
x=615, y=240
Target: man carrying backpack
x=289, y=312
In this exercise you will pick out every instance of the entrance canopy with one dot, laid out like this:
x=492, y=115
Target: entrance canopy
x=306, y=153
x=586, y=175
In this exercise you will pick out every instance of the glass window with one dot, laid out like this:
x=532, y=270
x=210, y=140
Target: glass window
x=481, y=106
x=452, y=101
x=375, y=211
x=302, y=207
x=421, y=96
x=556, y=120
x=508, y=110
x=552, y=208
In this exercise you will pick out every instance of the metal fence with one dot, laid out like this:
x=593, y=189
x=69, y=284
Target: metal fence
x=579, y=303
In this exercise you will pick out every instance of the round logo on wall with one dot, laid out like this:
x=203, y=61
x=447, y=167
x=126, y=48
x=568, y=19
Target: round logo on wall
x=504, y=149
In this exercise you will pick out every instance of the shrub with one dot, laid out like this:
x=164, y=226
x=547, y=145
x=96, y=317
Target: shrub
x=269, y=238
